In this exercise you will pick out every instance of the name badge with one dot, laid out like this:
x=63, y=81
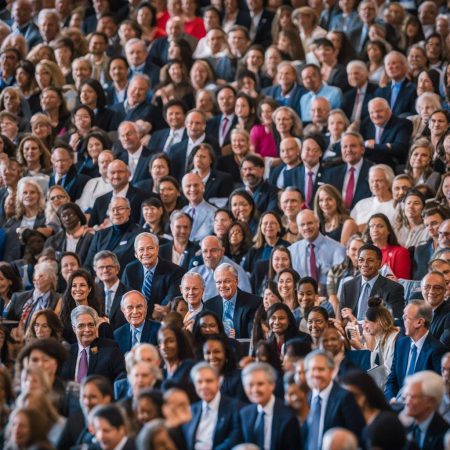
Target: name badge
x=123, y=242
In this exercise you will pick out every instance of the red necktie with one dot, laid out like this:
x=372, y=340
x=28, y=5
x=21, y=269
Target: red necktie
x=310, y=189
x=312, y=263
x=350, y=188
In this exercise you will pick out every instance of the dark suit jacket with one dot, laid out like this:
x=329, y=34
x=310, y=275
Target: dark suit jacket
x=228, y=164
x=405, y=103
x=159, y=138
x=429, y=359
x=244, y=311
x=159, y=51
x=166, y=281
x=434, y=437
x=349, y=98
x=440, y=325
x=143, y=111
x=107, y=119
x=213, y=128
x=105, y=359
x=110, y=94
x=19, y=299
x=265, y=197
x=149, y=334
x=124, y=249
x=422, y=256
x=263, y=30
x=227, y=432
x=390, y=291
x=219, y=184
x=338, y=78
x=116, y=317
x=72, y=430
x=73, y=183
x=299, y=176
x=397, y=133
x=142, y=171
x=289, y=175
x=294, y=96
x=285, y=427
x=336, y=177
x=101, y=204
x=58, y=242
x=165, y=252
x=224, y=67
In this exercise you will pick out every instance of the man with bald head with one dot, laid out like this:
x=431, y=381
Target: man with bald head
x=315, y=254
x=213, y=254
x=201, y=212
x=118, y=176
x=386, y=135
x=282, y=175
x=158, y=280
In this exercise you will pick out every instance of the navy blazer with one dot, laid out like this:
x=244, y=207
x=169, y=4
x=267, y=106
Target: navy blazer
x=159, y=51
x=73, y=183
x=299, y=176
x=390, y=291
x=289, y=175
x=181, y=378
x=349, y=98
x=101, y=204
x=149, y=334
x=285, y=427
x=336, y=177
x=159, y=138
x=110, y=94
x=429, y=359
x=263, y=30
x=405, y=103
x=165, y=252
x=142, y=171
x=422, y=256
x=105, y=359
x=58, y=242
x=265, y=197
x=166, y=281
x=294, y=96
x=397, y=133
x=143, y=111
x=434, y=437
x=440, y=325
x=244, y=311
x=219, y=184
x=116, y=317
x=227, y=432
x=213, y=128
x=19, y=299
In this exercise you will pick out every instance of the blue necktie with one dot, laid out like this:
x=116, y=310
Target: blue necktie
x=416, y=431
x=147, y=286
x=313, y=421
x=227, y=314
x=394, y=93
x=363, y=301
x=134, y=337
x=412, y=361
x=259, y=430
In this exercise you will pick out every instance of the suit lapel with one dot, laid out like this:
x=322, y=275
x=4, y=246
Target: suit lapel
x=93, y=358
x=221, y=416
x=237, y=316
x=116, y=301
x=192, y=431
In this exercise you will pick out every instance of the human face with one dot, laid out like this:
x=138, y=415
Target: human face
x=438, y=124
x=241, y=208
x=279, y=322
x=368, y=262
x=242, y=108
x=202, y=160
x=286, y=77
x=159, y=169
x=289, y=151
x=175, y=117
x=336, y=124
x=424, y=84
x=118, y=71
x=195, y=125
x=137, y=91
x=42, y=282
x=272, y=59
x=206, y=384
x=378, y=182
x=294, y=397
x=425, y=108
x=129, y=137
x=432, y=224
x=306, y=296
x=136, y=54
x=316, y=324
x=395, y=67
x=444, y=234
x=94, y=148
x=5, y=285
x=417, y=59
x=266, y=115
x=9, y=128
x=238, y=42
x=63, y=56
x=107, y=435
x=85, y=328
x=40, y=359
x=69, y=219
x=41, y=130
x=43, y=77
x=11, y=102
x=226, y=283
x=181, y=229
x=413, y=207
x=379, y=112
x=433, y=289
x=88, y=96
x=193, y=188
x=222, y=222
x=199, y=75
x=146, y=410
x=118, y=174
x=291, y=203
x=176, y=72
x=80, y=71
x=141, y=377
x=445, y=370
x=270, y=228
x=311, y=152
x=192, y=290
x=352, y=150
x=327, y=203
x=331, y=341
x=255, y=59
x=168, y=345
x=357, y=77
x=30, y=196
x=106, y=270
x=258, y=388
x=269, y=299
x=42, y=328
x=22, y=78
x=168, y=192
x=283, y=122
x=410, y=320
x=90, y=396
x=318, y=374
x=80, y=290
x=68, y=265
x=208, y=326
x=49, y=28
x=204, y=102
x=400, y=188
x=420, y=158
x=226, y=100
x=417, y=404
x=251, y=174
x=134, y=309
x=308, y=224
x=286, y=285
x=61, y=161
x=236, y=236
x=152, y=214
x=239, y=145
x=147, y=252
x=311, y=79
x=20, y=430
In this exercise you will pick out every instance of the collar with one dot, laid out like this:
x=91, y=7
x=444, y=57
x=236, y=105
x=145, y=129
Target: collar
x=213, y=404
x=363, y=89
x=324, y=394
x=425, y=424
x=399, y=83
x=317, y=241
x=315, y=169
x=357, y=166
x=140, y=328
x=37, y=294
x=268, y=409
x=81, y=348
x=232, y=299
x=121, y=444
x=371, y=281
x=257, y=16
x=198, y=141
x=138, y=68
x=123, y=192
x=113, y=288
x=178, y=131
x=230, y=117
x=137, y=153
x=419, y=343
x=152, y=270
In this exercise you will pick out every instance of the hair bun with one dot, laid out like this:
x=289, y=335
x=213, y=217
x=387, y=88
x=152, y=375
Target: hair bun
x=375, y=302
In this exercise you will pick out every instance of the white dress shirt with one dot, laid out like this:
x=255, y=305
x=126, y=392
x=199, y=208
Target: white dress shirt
x=324, y=396
x=356, y=173
x=268, y=419
x=205, y=431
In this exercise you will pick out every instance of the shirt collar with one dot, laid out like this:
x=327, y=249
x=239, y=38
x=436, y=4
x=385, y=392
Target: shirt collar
x=357, y=166
x=121, y=444
x=213, y=404
x=113, y=288
x=152, y=270
x=232, y=299
x=324, y=394
x=268, y=409
x=371, y=281
x=421, y=341
x=426, y=423
x=140, y=328
x=137, y=153
x=198, y=141
x=123, y=192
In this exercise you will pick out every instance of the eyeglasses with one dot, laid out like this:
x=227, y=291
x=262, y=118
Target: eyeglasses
x=85, y=326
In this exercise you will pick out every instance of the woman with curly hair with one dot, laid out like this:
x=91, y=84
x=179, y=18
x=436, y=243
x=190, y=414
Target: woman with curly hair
x=43, y=325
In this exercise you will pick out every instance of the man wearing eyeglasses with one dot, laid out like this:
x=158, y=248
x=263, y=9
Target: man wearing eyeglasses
x=91, y=354
x=137, y=329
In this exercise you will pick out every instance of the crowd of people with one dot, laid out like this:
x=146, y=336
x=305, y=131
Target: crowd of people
x=224, y=225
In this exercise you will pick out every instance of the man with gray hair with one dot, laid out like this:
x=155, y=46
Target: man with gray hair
x=137, y=56
x=91, y=354
x=158, y=280
x=236, y=308
x=48, y=23
x=423, y=394
x=192, y=289
x=331, y=405
x=339, y=439
x=267, y=422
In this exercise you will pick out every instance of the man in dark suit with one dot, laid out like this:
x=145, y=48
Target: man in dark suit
x=264, y=194
x=65, y=173
x=357, y=291
x=352, y=177
x=137, y=57
x=423, y=395
x=434, y=289
x=215, y=419
x=111, y=289
x=237, y=308
x=282, y=175
x=399, y=93
x=137, y=329
x=174, y=115
x=331, y=405
x=417, y=350
x=356, y=100
x=10, y=172
x=23, y=24
x=91, y=354
x=196, y=135
x=135, y=155
x=267, y=422
x=158, y=280
x=118, y=176
x=220, y=125
x=261, y=23
x=386, y=136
